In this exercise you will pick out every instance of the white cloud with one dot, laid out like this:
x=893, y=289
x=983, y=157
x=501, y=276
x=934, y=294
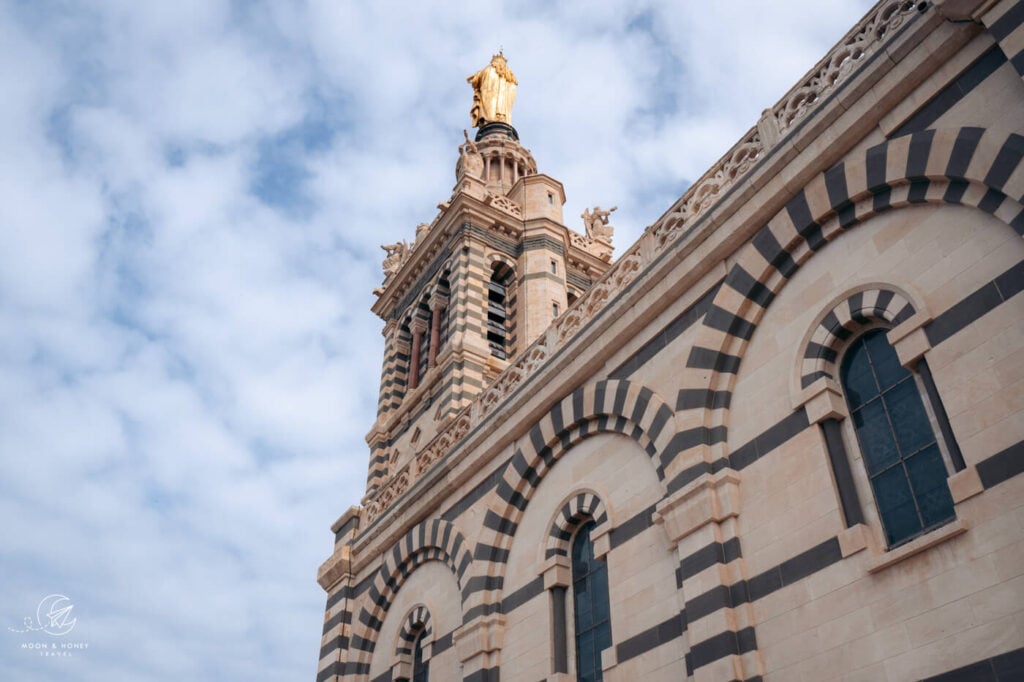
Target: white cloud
x=192, y=195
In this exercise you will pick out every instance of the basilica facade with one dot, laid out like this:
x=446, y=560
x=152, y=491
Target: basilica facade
x=780, y=437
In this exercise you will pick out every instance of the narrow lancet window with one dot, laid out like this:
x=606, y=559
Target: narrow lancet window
x=590, y=606
x=420, y=668
x=900, y=451
x=498, y=311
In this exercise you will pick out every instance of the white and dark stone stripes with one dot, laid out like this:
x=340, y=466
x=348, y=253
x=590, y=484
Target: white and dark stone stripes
x=1006, y=24
x=843, y=322
x=431, y=540
x=395, y=368
x=1002, y=466
x=730, y=596
x=337, y=631
x=967, y=166
x=976, y=74
x=668, y=631
x=415, y=624
x=613, y=406
x=980, y=302
x=1005, y=667
x=378, y=470
x=579, y=508
x=713, y=556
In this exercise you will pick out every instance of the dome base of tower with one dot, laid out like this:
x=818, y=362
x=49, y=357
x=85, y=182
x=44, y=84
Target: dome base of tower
x=496, y=128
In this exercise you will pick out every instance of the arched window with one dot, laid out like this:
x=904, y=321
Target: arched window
x=443, y=293
x=411, y=653
x=590, y=606
x=420, y=668
x=405, y=379
x=900, y=452
x=499, y=306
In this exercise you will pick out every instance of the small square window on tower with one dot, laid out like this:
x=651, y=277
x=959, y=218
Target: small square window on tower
x=554, y=310
x=554, y=267
x=551, y=198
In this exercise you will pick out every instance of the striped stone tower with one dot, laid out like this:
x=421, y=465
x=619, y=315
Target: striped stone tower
x=479, y=284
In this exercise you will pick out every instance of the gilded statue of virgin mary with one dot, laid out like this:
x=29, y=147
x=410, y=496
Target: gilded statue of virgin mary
x=494, y=91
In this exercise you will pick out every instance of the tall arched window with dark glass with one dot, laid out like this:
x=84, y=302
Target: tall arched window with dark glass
x=420, y=668
x=900, y=451
x=590, y=606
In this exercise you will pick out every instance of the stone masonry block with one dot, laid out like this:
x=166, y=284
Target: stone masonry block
x=482, y=636
x=609, y=659
x=402, y=669
x=337, y=566
x=602, y=539
x=822, y=400
x=556, y=572
x=854, y=539
x=909, y=339
x=711, y=498
x=965, y=484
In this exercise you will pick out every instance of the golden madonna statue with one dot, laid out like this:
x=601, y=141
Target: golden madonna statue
x=494, y=91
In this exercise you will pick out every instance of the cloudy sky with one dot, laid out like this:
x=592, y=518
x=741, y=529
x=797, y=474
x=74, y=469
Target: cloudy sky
x=192, y=195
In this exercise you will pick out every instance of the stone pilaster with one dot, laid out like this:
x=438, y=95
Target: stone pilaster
x=700, y=520
x=335, y=576
x=478, y=645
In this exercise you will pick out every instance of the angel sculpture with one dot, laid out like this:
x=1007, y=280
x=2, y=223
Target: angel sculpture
x=395, y=258
x=472, y=160
x=596, y=223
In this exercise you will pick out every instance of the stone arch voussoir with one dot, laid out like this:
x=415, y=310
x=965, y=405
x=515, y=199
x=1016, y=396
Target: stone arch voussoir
x=843, y=321
x=430, y=540
x=415, y=623
x=580, y=507
x=972, y=167
x=610, y=406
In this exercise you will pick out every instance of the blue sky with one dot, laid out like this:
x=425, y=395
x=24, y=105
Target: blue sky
x=192, y=195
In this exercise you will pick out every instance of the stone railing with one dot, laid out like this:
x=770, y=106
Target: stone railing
x=505, y=204
x=862, y=41
x=602, y=248
x=840, y=61
x=837, y=65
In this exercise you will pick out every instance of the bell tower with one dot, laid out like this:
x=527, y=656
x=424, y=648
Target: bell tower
x=476, y=285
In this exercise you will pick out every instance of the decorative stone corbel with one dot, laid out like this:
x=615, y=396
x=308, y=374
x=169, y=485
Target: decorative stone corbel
x=556, y=572
x=479, y=643
x=347, y=525
x=602, y=539
x=337, y=566
x=823, y=400
x=909, y=339
x=402, y=668
x=710, y=498
x=418, y=325
x=965, y=484
x=438, y=300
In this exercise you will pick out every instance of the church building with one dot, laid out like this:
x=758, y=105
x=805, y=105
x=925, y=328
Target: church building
x=779, y=438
